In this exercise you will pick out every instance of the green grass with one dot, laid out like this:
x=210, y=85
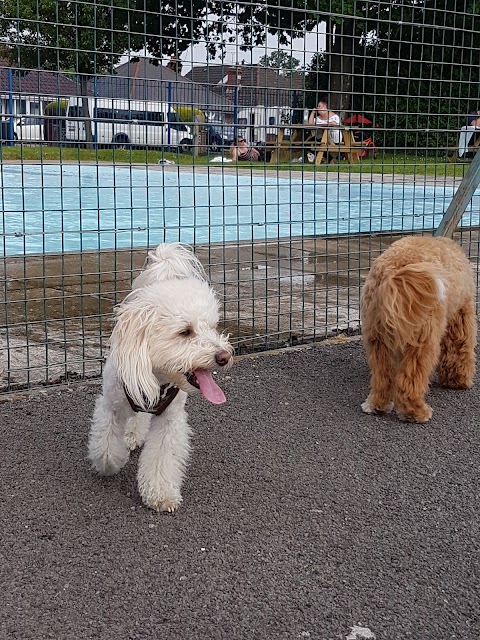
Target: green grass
x=42, y=153
x=386, y=164
x=389, y=164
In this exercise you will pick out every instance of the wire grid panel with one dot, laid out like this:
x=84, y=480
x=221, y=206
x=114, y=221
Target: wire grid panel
x=288, y=145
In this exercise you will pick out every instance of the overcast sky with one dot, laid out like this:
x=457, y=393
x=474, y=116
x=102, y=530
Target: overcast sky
x=302, y=48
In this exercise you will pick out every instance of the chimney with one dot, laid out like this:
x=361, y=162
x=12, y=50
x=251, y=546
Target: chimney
x=234, y=79
x=234, y=76
x=175, y=65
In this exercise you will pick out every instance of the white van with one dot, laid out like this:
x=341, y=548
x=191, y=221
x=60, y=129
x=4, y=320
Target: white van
x=124, y=123
x=28, y=129
x=260, y=124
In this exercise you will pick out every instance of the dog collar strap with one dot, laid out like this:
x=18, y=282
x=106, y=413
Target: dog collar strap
x=167, y=394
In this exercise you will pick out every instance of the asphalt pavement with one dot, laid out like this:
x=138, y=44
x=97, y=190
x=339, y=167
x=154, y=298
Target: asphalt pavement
x=302, y=517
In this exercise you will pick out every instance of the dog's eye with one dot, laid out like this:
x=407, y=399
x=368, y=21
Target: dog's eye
x=186, y=332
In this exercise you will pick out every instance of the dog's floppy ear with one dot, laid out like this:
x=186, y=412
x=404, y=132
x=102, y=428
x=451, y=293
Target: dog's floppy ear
x=130, y=353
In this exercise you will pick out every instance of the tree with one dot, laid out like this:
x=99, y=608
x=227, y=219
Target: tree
x=425, y=52
x=54, y=127
x=413, y=62
x=84, y=36
x=417, y=66
x=370, y=44
x=280, y=60
x=189, y=113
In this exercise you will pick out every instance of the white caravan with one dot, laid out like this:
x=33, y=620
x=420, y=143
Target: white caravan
x=260, y=124
x=124, y=123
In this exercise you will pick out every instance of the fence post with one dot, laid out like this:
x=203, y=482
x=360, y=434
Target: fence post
x=169, y=99
x=95, y=128
x=11, y=140
x=460, y=200
x=196, y=136
x=235, y=113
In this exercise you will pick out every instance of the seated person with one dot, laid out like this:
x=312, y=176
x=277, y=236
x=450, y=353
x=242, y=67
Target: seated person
x=473, y=119
x=469, y=133
x=322, y=117
x=243, y=152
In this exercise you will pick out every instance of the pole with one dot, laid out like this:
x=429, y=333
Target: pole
x=95, y=123
x=460, y=200
x=235, y=113
x=169, y=98
x=10, y=108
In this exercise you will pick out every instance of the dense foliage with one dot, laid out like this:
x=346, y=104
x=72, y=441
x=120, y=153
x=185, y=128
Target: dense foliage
x=413, y=64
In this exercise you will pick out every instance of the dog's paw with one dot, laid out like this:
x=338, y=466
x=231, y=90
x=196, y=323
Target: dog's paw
x=131, y=441
x=160, y=498
x=367, y=407
x=456, y=383
x=110, y=462
x=370, y=408
x=167, y=505
x=420, y=415
x=136, y=431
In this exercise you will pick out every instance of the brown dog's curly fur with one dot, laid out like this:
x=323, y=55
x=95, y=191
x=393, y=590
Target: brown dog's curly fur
x=418, y=313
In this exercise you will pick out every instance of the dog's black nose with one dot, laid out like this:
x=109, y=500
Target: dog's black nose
x=222, y=358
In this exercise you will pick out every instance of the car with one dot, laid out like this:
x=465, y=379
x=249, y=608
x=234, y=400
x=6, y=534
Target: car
x=28, y=129
x=219, y=136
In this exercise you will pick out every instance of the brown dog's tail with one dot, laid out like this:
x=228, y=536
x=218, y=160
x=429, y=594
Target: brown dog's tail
x=407, y=299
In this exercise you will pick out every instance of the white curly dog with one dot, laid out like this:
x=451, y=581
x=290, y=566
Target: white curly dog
x=164, y=346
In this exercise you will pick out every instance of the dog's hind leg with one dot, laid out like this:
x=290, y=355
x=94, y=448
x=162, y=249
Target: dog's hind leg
x=413, y=377
x=381, y=368
x=164, y=458
x=457, y=358
x=107, y=450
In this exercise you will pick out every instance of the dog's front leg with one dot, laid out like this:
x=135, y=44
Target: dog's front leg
x=164, y=458
x=107, y=450
x=136, y=430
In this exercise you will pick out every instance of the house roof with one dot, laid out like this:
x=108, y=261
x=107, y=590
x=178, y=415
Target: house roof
x=36, y=82
x=144, y=81
x=211, y=74
x=257, y=85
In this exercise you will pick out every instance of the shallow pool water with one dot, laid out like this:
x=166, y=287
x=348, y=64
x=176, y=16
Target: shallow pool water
x=53, y=208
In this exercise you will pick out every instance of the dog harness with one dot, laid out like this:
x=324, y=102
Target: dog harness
x=167, y=395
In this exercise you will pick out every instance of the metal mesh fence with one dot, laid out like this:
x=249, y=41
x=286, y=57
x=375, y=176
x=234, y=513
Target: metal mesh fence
x=288, y=144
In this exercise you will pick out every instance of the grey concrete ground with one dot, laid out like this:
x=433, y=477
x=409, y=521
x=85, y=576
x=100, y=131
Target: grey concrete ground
x=56, y=309
x=302, y=517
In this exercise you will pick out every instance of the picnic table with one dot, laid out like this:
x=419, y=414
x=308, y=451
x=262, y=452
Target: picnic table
x=471, y=149
x=303, y=140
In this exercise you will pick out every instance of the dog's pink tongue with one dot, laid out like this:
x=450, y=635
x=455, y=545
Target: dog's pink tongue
x=209, y=388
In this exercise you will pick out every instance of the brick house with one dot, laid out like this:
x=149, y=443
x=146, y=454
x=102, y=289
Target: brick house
x=142, y=80
x=257, y=85
x=32, y=89
x=264, y=98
